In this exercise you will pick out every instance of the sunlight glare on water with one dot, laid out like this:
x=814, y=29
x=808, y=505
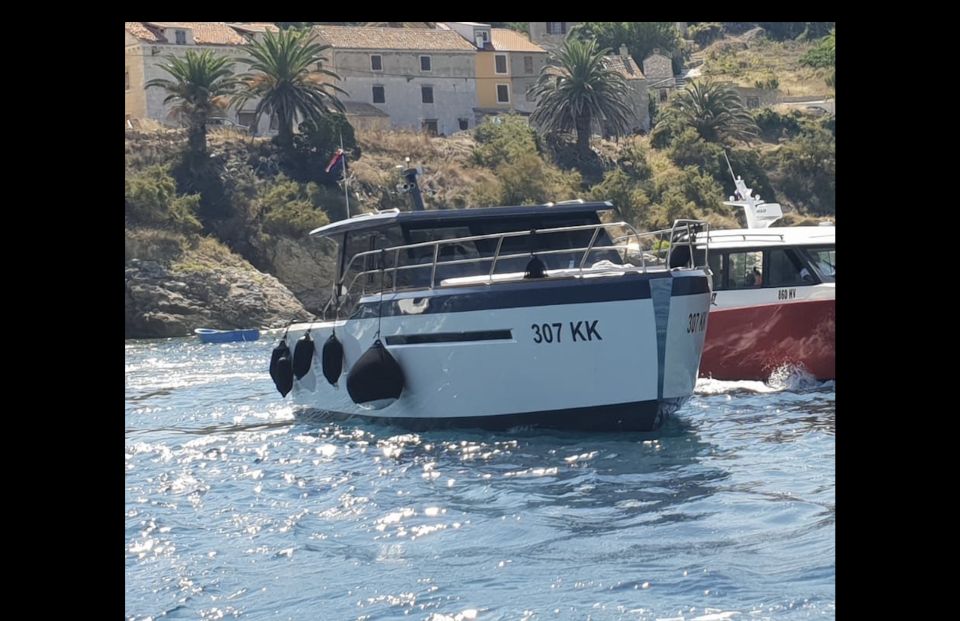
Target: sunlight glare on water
x=237, y=505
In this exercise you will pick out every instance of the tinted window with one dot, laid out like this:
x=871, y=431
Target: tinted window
x=785, y=268
x=744, y=270
x=825, y=261
x=420, y=277
x=715, y=261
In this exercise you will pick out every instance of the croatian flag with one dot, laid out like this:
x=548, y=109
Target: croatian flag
x=335, y=160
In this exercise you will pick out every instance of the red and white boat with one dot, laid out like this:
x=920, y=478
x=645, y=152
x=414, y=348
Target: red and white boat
x=773, y=296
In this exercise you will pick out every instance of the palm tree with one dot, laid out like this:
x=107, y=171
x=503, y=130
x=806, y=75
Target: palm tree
x=288, y=78
x=575, y=88
x=714, y=111
x=202, y=83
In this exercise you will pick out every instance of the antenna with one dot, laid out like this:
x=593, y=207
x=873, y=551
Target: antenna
x=759, y=215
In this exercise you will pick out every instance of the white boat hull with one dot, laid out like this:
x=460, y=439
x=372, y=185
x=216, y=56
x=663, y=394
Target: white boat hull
x=567, y=361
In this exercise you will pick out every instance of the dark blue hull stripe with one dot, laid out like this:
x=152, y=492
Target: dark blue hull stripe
x=450, y=337
x=523, y=294
x=635, y=416
x=690, y=285
x=662, y=292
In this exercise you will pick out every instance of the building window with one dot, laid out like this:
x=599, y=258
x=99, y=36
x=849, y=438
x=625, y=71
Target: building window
x=126, y=78
x=556, y=27
x=376, y=62
x=663, y=94
x=378, y=95
x=426, y=94
x=528, y=64
x=481, y=35
x=181, y=37
x=753, y=102
x=425, y=63
x=247, y=119
x=430, y=126
x=464, y=123
x=503, y=93
x=501, y=61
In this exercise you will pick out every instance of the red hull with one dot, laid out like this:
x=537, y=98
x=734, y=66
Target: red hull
x=748, y=343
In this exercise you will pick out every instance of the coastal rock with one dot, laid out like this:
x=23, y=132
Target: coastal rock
x=172, y=300
x=305, y=266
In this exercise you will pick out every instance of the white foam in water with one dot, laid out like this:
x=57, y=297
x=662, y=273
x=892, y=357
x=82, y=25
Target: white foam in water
x=786, y=377
x=792, y=377
x=710, y=386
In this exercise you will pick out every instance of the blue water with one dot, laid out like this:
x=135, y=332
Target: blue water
x=237, y=508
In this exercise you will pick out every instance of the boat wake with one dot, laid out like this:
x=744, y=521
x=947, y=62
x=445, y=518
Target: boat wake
x=788, y=377
x=792, y=377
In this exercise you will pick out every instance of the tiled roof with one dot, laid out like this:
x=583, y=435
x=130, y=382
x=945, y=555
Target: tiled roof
x=506, y=40
x=204, y=33
x=254, y=26
x=628, y=69
x=355, y=37
x=141, y=32
x=362, y=108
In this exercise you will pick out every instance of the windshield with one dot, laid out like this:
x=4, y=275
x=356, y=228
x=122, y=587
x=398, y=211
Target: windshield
x=824, y=260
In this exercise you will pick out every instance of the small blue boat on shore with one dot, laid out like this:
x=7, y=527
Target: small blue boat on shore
x=208, y=335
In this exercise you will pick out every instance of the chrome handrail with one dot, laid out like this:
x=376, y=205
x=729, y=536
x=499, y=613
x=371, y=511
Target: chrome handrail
x=435, y=244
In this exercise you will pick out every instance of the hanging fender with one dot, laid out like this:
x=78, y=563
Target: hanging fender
x=376, y=379
x=281, y=368
x=332, y=359
x=303, y=355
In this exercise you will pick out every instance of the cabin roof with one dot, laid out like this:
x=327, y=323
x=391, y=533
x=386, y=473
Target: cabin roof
x=384, y=219
x=773, y=236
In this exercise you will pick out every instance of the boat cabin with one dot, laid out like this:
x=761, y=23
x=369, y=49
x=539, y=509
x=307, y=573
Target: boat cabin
x=773, y=258
x=395, y=251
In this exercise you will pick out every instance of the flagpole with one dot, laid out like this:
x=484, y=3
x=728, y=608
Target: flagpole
x=346, y=194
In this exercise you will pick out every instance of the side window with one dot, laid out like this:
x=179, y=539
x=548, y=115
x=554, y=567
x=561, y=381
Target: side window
x=352, y=279
x=786, y=269
x=825, y=260
x=745, y=270
x=448, y=252
x=715, y=261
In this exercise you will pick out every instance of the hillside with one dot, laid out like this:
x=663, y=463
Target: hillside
x=754, y=59
x=224, y=243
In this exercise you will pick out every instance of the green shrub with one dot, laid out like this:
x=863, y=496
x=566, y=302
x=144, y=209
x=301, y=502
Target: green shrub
x=705, y=33
x=150, y=197
x=774, y=126
x=287, y=210
x=633, y=160
x=822, y=55
x=625, y=193
x=689, y=149
x=503, y=139
x=806, y=168
x=528, y=180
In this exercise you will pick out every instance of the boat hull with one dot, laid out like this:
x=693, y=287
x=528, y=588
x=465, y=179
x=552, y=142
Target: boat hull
x=616, y=353
x=750, y=342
